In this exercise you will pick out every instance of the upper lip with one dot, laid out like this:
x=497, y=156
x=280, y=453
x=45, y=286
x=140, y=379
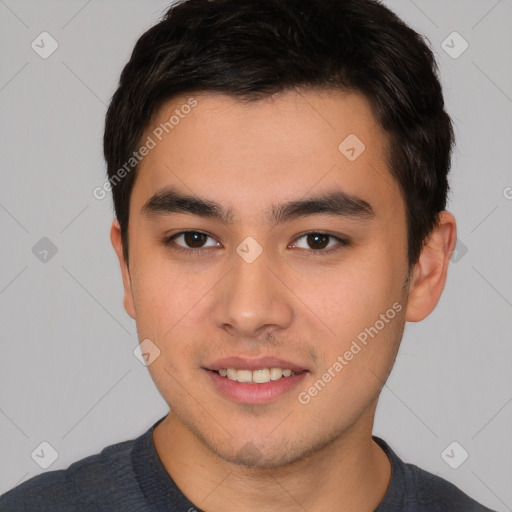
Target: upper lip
x=243, y=363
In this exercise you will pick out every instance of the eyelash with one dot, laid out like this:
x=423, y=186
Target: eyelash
x=169, y=242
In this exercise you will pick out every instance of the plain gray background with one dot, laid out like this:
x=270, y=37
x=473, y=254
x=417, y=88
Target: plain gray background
x=68, y=373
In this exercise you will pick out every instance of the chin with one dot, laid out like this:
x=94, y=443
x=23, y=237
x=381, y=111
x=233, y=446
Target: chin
x=262, y=452
x=251, y=456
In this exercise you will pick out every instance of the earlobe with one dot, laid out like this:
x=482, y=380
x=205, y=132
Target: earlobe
x=117, y=244
x=428, y=277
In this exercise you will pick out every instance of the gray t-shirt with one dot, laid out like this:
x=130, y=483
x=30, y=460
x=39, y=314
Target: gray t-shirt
x=130, y=477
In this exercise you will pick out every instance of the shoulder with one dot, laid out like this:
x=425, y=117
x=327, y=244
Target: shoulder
x=413, y=489
x=104, y=477
x=433, y=493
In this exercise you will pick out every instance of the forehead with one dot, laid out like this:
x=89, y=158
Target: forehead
x=286, y=146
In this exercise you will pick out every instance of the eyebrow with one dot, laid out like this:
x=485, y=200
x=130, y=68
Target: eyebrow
x=338, y=203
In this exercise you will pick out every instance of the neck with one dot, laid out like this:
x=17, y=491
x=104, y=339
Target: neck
x=351, y=473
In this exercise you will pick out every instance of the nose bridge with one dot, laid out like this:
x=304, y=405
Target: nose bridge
x=251, y=297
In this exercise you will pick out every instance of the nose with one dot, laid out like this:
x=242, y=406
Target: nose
x=252, y=300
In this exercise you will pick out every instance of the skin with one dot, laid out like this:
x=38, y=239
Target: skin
x=291, y=302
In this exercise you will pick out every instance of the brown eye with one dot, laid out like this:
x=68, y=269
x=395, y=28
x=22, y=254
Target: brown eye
x=189, y=240
x=318, y=240
x=320, y=243
x=194, y=239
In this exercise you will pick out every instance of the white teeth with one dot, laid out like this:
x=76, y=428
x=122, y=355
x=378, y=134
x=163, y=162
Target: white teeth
x=260, y=376
x=275, y=373
x=244, y=376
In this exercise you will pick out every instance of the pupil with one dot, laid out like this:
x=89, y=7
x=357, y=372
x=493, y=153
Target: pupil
x=317, y=239
x=193, y=239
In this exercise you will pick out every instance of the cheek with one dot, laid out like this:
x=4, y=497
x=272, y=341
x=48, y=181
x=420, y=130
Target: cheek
x=350, y=298
x=172, y=307
x=161, y=295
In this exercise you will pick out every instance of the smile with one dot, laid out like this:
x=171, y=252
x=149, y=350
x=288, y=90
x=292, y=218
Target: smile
x=260, y=376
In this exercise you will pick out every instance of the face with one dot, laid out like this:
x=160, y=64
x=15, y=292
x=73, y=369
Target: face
x=260, y=238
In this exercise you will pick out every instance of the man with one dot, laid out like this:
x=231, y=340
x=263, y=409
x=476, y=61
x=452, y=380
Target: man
x=279, y=176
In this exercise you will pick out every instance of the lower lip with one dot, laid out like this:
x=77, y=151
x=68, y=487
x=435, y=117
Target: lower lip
x=254, y=393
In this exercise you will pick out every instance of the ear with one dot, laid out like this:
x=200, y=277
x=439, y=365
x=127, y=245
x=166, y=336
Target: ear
x=428, y=276
x=117, y=243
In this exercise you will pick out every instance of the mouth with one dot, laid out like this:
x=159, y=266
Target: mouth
x=254, y=381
